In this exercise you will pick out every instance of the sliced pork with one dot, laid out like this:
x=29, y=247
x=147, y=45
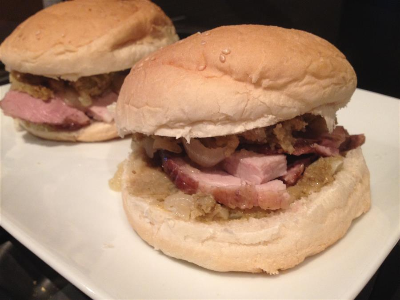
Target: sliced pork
x=307, y=146
x=271, y=195
x=52, y=112
x=99, y=109
x=333, y=139
x=254, y=167
x=296, y=169
x=55, y=111
x=293, y=174
x=329, y=144
x=225, y=188
x=325, y=145
x=259, y=170
x=352, y=142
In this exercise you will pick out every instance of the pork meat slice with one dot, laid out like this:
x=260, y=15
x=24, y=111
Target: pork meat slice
x=296, y=168
x=326, y=144
x=255, y=168
x=225, y=188
x=352, y=142
x=99, y=109
x=333, y=139
x=52, y=112
x=293, y=174
x=271, y=195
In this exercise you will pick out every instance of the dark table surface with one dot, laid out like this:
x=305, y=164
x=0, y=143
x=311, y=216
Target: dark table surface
x=366, y=31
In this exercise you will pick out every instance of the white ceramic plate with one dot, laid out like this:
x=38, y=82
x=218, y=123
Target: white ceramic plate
x=56, y=201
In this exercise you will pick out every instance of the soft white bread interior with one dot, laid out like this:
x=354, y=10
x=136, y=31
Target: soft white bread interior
x=95, y=132
x=277, y=242
x=232, y=79
x=87, y=37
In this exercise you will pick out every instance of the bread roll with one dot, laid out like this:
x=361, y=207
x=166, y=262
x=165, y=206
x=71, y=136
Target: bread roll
x=88, y=37
x=95, y=132
x=232, y=79
x=277, y=242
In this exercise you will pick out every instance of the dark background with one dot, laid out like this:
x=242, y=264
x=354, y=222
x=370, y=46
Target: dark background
x=367, y=32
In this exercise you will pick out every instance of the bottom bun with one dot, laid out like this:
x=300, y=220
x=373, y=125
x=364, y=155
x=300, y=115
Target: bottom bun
x=279, y=241
x=95, y=132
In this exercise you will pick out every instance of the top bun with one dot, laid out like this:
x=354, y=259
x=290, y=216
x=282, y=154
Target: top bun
x=87, y=37
x=232, y=79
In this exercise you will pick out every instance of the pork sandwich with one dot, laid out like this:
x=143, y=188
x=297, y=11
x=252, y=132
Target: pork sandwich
x=238, y=163
x=67, y=64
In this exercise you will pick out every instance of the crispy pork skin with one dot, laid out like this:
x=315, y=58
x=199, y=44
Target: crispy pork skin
x=325, y=145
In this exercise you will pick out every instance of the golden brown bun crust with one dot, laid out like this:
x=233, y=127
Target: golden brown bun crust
x=87, y=37
x=95, y=132
x=231, y=79
x=270, y=244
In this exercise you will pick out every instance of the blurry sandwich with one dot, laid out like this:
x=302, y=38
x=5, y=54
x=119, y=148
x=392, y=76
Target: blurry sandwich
x=68, y=61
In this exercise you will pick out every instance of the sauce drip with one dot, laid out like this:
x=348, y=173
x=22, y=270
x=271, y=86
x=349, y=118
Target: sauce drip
x=316, y=176
x=115, y=182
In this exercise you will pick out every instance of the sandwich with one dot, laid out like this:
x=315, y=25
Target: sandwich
x=238, y=163
x=67, y=64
